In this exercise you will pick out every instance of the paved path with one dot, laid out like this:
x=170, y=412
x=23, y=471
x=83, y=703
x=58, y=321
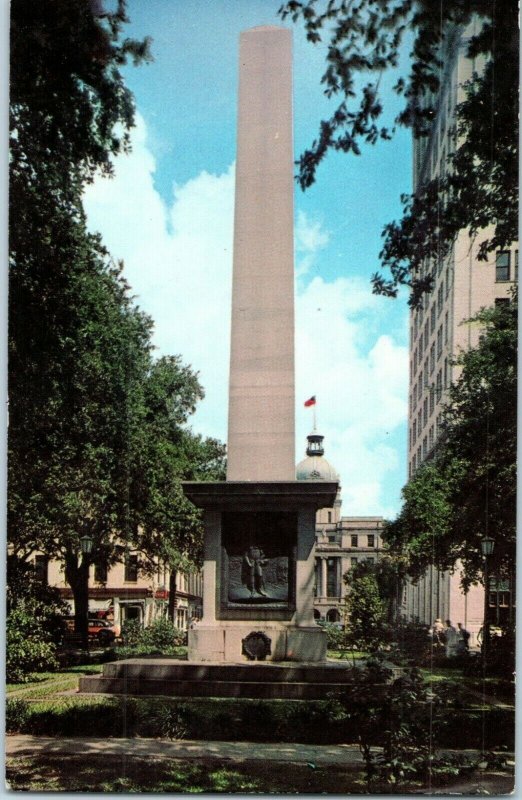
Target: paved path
x=19, y=745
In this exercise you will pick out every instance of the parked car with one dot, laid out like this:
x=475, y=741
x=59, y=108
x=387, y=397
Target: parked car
x=99, y=629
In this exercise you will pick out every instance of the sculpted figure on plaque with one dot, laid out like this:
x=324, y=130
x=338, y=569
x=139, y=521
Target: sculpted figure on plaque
x=253, y=563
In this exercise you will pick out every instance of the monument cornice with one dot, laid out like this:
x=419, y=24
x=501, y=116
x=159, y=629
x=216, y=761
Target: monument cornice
x=221, y=495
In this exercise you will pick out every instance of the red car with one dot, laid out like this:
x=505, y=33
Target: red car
x=99, y=629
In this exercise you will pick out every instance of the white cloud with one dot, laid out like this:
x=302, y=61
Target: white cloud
x=359, y=379
x=309, y=238
x=178, y=260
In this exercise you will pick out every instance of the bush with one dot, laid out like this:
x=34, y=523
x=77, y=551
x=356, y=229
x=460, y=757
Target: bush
x=16, y=716
x=28, y=649
x=412, y=644
x=158, y=637
x=162, y=633
x=362, y=719
x=336, y=637
x=367, y=626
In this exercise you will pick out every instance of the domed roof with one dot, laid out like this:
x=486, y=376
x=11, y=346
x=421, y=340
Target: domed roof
x=315, y=467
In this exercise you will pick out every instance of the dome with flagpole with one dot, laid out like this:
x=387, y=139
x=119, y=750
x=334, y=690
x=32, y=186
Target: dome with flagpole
x=315, y=467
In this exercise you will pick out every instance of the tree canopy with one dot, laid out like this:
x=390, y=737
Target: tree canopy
x=479, y=187
x=468, y=489
x=99, y=438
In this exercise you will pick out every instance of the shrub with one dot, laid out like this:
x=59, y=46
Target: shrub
x=162, y=633
x=28, y=648
x=336, y=637
x=367, y=625
x=131, y=632
x=16, y=716
x=158, y=637
x=412, y=644
x=166, y=720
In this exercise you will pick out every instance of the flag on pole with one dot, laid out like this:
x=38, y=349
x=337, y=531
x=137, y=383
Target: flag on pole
x=310, y=402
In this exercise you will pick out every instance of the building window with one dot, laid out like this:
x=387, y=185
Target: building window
x=432, y=357
x=353, y=561
x=354, y=540
x=431, y=438
x=446, y=328
x=425, y=447
x=100, y=573
x=432, y=400
x=502, y=265
x=331, y=577
x=329, y=516
x=426, y=332
x=371, y=540
x=439, y=385
x=446, y=374
x=439, y=342
x=440, y=297
x=516, y=265
x=501, y=301
x=425, y=412
x=433, y=316
x=131, y=569
x=41, y=566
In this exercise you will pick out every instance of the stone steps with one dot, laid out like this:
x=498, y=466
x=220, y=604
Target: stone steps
x=253, y=680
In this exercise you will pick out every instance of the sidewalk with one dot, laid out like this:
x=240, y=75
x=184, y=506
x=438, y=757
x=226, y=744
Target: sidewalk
x=344, y=755
x=347, y=757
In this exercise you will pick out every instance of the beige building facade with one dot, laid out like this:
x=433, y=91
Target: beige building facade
x=438, y=331
x=340, y=542
x=130, y=594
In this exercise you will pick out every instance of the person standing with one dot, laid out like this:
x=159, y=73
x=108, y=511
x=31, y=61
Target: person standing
x=464, y=637
x=452, y=640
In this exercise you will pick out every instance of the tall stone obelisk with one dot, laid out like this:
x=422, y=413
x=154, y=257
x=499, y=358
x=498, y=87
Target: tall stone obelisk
x=261, y=436
x=258, y=575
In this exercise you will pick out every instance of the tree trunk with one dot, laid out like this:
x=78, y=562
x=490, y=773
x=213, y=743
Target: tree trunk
x=77, y=576
x=172, y=595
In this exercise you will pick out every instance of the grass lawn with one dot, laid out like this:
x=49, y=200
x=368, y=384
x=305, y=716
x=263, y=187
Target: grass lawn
x=49, y=684
x=501, y=689
x=112, y=774
x=117, y=775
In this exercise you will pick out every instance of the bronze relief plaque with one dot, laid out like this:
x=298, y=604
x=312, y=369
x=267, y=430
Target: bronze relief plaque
x=257, y=564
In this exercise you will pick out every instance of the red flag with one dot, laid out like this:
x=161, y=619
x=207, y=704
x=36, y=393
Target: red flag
x=310, y=402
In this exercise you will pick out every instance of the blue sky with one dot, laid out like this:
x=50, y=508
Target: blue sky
x=168, y=214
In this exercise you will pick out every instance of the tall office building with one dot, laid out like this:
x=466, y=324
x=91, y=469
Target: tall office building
x=463, y=285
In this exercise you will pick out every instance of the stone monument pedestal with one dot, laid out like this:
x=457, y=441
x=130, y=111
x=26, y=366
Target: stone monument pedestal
x=258, y=573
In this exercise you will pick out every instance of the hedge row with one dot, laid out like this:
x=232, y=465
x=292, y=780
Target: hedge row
x=311, y=722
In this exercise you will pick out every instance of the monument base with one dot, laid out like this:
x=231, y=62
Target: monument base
x=172, y=678
x=216, y=643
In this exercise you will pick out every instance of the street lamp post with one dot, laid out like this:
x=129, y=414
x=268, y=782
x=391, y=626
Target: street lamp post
x=487, y=545
x=86, y=544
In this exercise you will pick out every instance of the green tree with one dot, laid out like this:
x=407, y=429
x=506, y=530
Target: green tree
x=366, y=608
x=468, y=489
x=96, y=427
x=163, y=524
x=480, y=187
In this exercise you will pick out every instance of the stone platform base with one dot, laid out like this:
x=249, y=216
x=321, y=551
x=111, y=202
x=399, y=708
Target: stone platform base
x=163, y=676
x=224, y=642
